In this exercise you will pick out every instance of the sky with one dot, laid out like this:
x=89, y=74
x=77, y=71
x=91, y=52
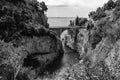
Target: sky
x=71, y=8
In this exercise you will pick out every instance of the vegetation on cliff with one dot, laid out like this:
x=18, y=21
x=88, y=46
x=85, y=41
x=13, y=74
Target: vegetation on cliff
x=20, y=15
x=103, y=38
x=27, y=47
x=78, y=21
x=100, y=54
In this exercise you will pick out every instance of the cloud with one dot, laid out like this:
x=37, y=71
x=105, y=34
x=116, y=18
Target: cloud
x=54, y=2
x=91, y=3
x=86, y=3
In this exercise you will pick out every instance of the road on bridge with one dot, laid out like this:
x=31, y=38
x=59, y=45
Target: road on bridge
x=59, y=29
x=66, y=27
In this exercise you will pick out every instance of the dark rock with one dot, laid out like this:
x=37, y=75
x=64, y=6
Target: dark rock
x=27, y=44
x=6, y=72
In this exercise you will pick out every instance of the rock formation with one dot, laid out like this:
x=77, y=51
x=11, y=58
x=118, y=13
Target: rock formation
x=27, y=47
x=98, y=45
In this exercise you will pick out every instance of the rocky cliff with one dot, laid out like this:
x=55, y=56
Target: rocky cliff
x=27, y=47
x=98, y=45
x=103, y=41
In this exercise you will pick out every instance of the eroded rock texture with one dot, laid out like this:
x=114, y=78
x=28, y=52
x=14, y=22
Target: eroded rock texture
x=27, y=47
x=98, y=45
x=113, y=59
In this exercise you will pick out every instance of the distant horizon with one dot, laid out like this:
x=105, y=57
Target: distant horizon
x=63, y=11
x=72, y=8
x=60, y=21
x=64, y=17
x=60, y=12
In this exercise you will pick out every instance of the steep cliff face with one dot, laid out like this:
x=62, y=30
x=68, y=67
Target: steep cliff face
x=82, y=40
x=76, y=39
x=98, y=45
x=68, y=38
x=102, y=38
x=113, y=59
x=28, y=47
x=104, y=45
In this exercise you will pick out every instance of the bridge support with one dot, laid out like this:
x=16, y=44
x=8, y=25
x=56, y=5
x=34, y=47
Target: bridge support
x=59, y=30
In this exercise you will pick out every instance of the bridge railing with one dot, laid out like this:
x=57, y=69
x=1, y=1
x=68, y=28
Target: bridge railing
x=59, y=29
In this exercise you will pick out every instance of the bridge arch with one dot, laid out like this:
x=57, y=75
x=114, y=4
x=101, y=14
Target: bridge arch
x=64, y=35
x=60, y=30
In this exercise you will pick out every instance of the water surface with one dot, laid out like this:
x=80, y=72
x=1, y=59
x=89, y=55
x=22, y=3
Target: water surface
x=59, y=21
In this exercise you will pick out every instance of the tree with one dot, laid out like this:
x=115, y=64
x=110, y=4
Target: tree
x=43, y=6
x=116, y=13
x=16, y=1
x=109, y=5
x=82, y=21
x=71, y=23
x=90, y=25
x=98, y=14
x=91, y=14
x=117, y=3
x=77, y=20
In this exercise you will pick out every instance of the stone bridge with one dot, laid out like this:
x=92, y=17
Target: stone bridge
x=59, y=30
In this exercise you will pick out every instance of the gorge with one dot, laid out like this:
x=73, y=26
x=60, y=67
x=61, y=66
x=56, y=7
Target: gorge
x=30, y=49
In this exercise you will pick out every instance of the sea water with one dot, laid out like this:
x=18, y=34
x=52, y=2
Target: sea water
x=59, y=21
